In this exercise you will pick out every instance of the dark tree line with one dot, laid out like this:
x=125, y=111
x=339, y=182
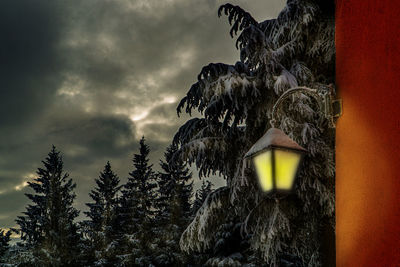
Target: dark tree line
x=134, y=224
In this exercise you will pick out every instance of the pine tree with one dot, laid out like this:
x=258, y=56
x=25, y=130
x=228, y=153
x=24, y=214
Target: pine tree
x=201, y=195
x=100, y=229
x=137, y=208
x=174, y=189
x=5, y=237
x=48, y=223
x=295, y=49
x=173, y=207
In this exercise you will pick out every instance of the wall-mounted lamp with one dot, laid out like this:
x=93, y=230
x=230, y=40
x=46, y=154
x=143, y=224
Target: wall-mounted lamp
x=276, y=156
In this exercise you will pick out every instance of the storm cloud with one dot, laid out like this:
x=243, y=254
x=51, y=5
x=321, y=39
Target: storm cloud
x=92, y=77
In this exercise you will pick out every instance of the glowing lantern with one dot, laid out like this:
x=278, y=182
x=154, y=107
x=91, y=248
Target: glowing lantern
x=276, y=158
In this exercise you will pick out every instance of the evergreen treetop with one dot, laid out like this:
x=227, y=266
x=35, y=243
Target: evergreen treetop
x=48, y=223
x=141, y=183
x=104, y=197
x=136, y=210
x=101, y=228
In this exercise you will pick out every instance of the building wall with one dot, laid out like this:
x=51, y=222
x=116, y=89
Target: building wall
x=368, y=133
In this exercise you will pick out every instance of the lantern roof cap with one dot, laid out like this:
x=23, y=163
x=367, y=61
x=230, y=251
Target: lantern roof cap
x=274, y=138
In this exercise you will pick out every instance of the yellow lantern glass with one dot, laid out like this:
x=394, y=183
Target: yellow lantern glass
x=276, y=169
x=276, y=159
x=263, y=163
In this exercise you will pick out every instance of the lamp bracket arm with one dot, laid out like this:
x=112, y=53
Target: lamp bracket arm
x=328, y=108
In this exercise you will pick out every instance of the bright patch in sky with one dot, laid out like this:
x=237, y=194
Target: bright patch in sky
x=139, y=116
x=72, y=86
x=142, y=112
x=20, y=186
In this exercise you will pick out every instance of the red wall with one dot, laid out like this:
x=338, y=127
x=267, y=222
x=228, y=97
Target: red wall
x=368, y=133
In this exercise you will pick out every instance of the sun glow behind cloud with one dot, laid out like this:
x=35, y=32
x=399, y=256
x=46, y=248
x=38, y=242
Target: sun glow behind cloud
x=140, y=116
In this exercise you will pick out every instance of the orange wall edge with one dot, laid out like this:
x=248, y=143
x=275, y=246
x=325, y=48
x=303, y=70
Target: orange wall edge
x=368, y=133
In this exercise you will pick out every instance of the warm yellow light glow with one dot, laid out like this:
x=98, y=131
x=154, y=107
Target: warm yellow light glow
x=286, y=163
x=263, y=164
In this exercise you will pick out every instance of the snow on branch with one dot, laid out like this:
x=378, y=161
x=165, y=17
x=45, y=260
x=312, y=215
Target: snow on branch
x=238, y=18
x=199, y=235
x=222, y=93
x=284, y=81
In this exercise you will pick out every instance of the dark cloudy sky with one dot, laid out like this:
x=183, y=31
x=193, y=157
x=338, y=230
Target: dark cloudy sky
x=92, y=77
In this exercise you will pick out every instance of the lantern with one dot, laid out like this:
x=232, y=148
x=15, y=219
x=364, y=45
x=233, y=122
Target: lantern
x=276, y=158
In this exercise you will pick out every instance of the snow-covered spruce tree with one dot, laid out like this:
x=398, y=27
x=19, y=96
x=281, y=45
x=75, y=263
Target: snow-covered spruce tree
x=201, y=195
x=136, y=211
x=48, y=226
x=295, y=49
x=100, y=229
x=173, y=208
